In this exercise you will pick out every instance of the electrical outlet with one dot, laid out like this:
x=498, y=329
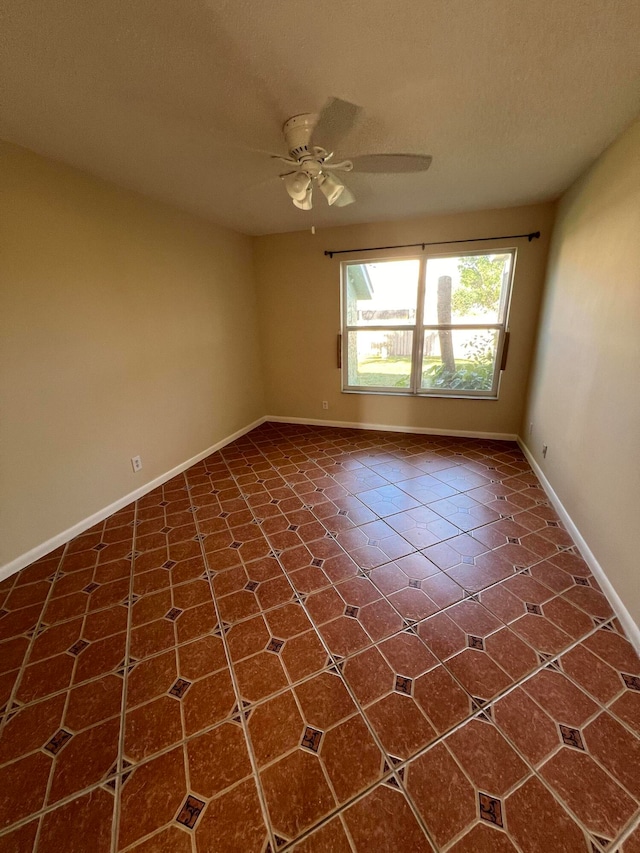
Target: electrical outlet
x=136, y=463
x=544, y=451
x=325, y=404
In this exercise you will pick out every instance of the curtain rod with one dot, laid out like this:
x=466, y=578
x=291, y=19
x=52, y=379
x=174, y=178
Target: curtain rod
x=532, y=236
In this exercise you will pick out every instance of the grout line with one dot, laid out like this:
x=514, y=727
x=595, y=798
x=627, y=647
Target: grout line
x=45, y=810
x=115, y=826
x=32, y=639
x=94, y=786
x=65, y=706
x=187, y=776
x=346, y=830
x=630, y=828
x=449, y=846
x=503, y=796
x=157, y=832
x=236, y=689
x=556, y=796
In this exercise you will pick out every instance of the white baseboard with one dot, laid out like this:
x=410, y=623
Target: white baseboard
x=62, y=538
x=498, y=436
x=631, y=629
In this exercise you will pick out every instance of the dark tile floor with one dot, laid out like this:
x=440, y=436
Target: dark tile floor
x=321, y=640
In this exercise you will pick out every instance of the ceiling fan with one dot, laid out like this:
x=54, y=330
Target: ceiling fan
x=312, y=165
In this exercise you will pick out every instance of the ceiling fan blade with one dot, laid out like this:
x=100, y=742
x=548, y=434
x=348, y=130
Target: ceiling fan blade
x=391, y=163
x=346, y=197
x=336, y=120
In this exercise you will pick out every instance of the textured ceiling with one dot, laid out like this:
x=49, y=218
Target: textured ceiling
x=513, y=99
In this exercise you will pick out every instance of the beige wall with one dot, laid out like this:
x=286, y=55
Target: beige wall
x=128, y=328
x=299, y=298
x=584, y=400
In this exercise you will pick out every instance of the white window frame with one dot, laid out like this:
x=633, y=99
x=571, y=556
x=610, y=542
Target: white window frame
x=419, y=328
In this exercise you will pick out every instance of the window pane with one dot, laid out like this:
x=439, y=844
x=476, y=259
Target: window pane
x=380, y=359
x=382, y=293
x=466, y=289
x=459, y=360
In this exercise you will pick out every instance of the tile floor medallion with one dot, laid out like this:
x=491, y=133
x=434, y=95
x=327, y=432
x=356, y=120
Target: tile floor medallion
x=321, y=640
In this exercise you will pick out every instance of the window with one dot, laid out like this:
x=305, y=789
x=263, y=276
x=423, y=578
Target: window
x=430, y=326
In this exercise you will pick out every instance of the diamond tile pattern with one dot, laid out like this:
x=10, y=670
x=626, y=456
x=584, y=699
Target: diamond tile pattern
x=327, y=640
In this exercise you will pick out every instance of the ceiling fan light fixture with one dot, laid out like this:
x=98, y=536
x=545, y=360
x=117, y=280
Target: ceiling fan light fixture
x=298, y=185
x=331, y=187
x=309, y=164
x=306, y=203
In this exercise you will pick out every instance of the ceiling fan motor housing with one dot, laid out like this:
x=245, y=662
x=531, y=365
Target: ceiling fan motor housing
x=297, y=133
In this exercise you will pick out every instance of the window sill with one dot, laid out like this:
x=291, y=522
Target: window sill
x=424, y=395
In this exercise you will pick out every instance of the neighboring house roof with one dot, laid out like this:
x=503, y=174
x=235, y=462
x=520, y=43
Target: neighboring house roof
x=358, y=279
